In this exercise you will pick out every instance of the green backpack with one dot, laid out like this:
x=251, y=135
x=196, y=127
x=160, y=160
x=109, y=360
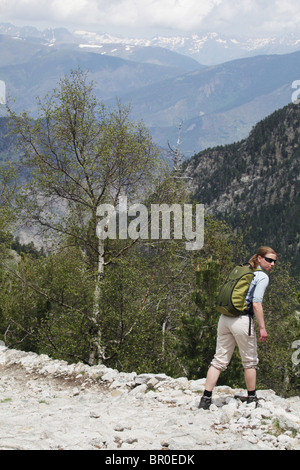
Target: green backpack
x=231, y=300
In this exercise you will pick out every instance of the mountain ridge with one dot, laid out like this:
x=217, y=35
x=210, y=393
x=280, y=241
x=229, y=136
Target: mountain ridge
x=218, y=104
x=255, y=183
x=208, y=48
x=43, y=67
x=215, y=105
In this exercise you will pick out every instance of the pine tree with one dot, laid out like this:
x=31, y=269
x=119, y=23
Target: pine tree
x=197, y=334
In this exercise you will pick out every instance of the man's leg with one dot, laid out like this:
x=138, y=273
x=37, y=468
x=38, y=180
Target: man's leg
x=248, y=351
x=212, y=378
x=250, y=379
x=224, y=350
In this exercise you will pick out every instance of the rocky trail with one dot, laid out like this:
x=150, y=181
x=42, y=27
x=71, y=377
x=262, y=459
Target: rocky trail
x=47, y=404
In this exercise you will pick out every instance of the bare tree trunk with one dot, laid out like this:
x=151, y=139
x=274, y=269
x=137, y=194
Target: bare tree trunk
x=97, y=353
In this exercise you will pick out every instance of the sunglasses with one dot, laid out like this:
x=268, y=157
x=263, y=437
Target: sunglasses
x=270, y=260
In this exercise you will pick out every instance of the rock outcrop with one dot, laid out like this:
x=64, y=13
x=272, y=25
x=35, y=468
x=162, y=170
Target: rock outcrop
x=49, y=404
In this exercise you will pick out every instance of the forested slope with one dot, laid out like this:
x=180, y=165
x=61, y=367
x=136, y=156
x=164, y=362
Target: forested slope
x=254, y=183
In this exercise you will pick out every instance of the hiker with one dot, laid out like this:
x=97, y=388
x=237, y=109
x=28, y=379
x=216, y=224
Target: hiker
x=235, y=330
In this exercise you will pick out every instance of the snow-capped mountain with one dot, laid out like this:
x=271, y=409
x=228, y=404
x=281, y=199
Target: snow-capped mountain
x=207, y=49
x=162, y=78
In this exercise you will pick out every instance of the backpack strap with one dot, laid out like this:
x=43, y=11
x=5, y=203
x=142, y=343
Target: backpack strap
x=250, y=313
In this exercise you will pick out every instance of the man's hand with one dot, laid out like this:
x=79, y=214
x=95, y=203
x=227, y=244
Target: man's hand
x=263, y=335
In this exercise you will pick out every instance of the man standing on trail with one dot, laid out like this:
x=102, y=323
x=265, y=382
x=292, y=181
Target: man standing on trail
x=234, y=331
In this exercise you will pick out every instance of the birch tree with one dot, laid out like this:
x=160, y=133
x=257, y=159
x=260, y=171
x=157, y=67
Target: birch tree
x=80, y=155
x=8, y=182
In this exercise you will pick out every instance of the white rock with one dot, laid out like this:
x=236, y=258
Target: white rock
x=109, y=376
x=50, y=405
x=243, y=422
x=228, y=412
x=138, y=390
x=182, y=443
x=285, y=442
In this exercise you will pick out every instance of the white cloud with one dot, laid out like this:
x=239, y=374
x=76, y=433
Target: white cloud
x=42, y=10
x=241, y=16
x=175, y=14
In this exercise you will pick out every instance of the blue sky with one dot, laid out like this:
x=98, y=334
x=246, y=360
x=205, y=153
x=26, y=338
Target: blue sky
x=151, y=17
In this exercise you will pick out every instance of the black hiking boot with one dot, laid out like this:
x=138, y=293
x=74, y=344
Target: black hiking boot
x=205, y=403
x=252, y=399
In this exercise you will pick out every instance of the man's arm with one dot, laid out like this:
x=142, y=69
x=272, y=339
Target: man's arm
x=259, y=315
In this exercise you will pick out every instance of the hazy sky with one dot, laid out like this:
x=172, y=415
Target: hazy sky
x=244, y=17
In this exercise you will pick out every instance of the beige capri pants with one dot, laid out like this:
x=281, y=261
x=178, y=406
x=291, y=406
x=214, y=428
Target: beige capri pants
x=234, y=331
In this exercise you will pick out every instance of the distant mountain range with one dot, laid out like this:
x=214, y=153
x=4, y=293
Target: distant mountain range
x=217, y=105
x=166, y=86
x=30, y=70
x=207, y=48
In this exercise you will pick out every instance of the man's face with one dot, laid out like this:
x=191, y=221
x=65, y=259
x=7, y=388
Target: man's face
x=268, y=261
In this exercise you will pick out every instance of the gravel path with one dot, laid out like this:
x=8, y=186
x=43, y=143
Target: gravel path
x=50, y=405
